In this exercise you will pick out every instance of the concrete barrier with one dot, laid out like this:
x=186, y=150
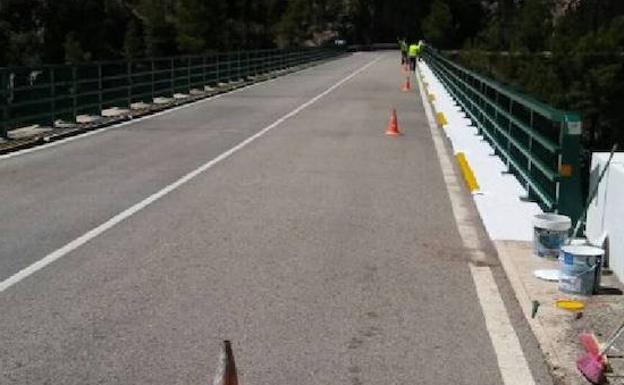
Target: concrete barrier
x=605, y=218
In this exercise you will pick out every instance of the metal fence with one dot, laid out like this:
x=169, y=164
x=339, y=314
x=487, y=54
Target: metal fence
x=43, y=95
x=539, y=144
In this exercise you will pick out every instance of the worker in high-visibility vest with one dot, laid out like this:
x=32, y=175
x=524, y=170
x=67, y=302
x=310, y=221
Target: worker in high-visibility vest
x=421, y=47
x=413, y=52
x=403, y=47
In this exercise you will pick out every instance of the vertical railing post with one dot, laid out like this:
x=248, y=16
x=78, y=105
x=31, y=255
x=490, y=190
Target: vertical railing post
x=203, y=72
x=247, y=64
x=74, y=92
x=152, y=65
x=511, y=104
x=238, y=65
x=188, y=75
x=129, y=82
x=229, y=66
x=100, y=88
x=172, y=75
x=218, y=67
x=52, y=96
x=530, y=159
x=4, y=103
x=570, y=199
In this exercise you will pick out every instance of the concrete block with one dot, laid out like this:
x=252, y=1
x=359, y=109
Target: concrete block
x=87, y=119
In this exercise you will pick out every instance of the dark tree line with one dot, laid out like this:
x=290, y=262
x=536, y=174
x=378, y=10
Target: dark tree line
x=569, y=54
x=58, y=31
x=566, y=52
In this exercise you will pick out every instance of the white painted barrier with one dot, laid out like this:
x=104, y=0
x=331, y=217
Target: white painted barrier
x=605, y=217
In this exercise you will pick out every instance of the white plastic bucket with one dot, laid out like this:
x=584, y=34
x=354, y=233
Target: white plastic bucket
x=550, y=232
x=580, y=266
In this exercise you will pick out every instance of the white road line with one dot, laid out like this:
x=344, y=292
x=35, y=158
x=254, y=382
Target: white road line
x=76, y=243
x=512, y=363
x=137, y=120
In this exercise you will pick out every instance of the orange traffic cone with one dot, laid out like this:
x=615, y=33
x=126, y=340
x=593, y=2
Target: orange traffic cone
x=226, y=372
x=393, y=125
x=407, y=85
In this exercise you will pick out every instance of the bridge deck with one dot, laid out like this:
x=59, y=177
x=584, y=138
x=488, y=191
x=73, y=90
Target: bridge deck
x=325, y=250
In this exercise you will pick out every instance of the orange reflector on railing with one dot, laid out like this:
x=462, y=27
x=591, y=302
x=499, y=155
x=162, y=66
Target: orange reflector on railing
x=565, y=170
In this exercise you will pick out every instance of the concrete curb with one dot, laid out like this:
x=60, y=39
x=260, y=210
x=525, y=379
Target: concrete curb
x=556, y=337
x=547, y=345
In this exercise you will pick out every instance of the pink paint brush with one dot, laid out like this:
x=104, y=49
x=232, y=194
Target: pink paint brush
x=592, y=364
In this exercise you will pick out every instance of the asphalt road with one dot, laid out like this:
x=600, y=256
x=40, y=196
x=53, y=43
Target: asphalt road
x=325, y=250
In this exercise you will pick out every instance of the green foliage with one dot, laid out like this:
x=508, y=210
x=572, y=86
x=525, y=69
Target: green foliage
x=308, y=22
x=533, y=26
x=133, y=47
x=74, y=53
x=584, y=71
x=438, y=25
x=160, y=32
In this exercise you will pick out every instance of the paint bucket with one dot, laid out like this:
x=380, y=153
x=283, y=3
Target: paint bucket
x=580, y=269
x=550, y=232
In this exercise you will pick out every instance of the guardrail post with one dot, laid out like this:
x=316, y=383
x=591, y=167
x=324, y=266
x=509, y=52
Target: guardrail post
x=239, y=75
x=4, y=103
x=52, y=96
x=203, y=71
x=229, y=66
x=153, y=79
x=74, y=92
x=188, y=74
x=218, y=68
x=100, y=91
x=173, y=75
x=129, y=82
x=569, y=188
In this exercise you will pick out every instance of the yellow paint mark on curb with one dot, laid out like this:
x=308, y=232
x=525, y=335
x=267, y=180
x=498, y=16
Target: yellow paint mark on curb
x=441, y=119
x=431, y=97
x=467, y=173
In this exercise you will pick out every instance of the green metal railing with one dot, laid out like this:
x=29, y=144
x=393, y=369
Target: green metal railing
x=42, y=95
x=539, y=144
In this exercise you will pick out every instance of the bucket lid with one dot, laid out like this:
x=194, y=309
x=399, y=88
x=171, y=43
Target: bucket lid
x=583, y=250
x=554, y=222
x=547, y=274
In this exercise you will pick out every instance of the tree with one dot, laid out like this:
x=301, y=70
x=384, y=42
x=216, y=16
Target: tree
x=4, y=42
x=199, y=25
x=160, y=31
x=438, y=25
x=293, y=27
x=133, y=41
x=534, y=26
x=74, y=53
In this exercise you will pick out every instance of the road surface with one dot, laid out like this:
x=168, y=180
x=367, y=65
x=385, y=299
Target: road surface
x=325, y=250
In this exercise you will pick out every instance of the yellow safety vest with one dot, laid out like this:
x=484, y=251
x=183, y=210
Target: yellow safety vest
x=413, y=50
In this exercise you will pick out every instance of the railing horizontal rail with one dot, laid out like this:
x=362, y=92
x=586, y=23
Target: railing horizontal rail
x=41, y=94
x=540, y=144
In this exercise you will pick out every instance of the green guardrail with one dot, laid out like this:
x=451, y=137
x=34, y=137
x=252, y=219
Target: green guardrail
x=42, y=95
x=539, y=144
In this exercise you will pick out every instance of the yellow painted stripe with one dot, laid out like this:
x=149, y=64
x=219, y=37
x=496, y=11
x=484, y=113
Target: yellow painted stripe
x=441, y=119
x=467, y=173
x=431, y=97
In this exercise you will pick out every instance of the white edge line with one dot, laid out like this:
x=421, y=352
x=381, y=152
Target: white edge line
x=150, y=116
x=93, y=233
x=512, y=363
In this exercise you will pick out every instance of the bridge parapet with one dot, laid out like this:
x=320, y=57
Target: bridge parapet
x=45, y=94
x=539, y=144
